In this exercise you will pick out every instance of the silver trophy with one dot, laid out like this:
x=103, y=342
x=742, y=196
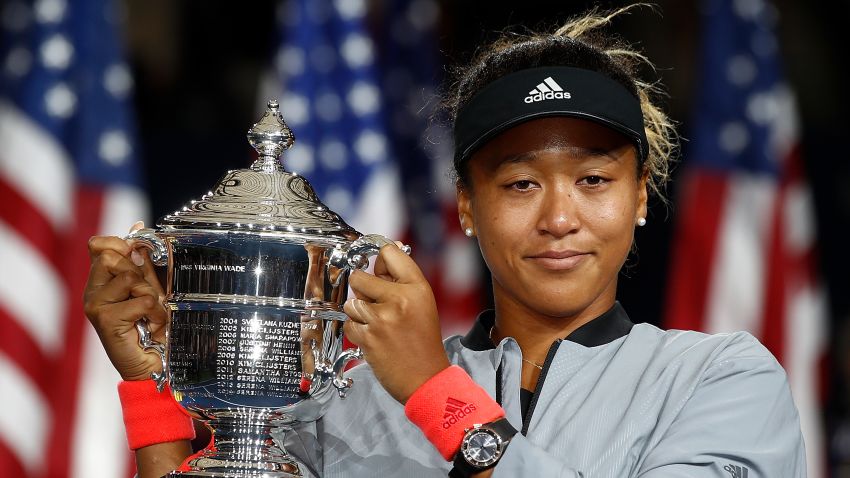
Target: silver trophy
x=257, y=275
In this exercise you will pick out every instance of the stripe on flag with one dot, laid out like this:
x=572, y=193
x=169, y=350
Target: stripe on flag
x=742, y=236
x=23, y=404
x=744, y=248
x=67, y=171
x=17, y=294
x=46, y=178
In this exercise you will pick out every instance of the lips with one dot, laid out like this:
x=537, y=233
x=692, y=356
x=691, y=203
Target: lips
x=558, y=260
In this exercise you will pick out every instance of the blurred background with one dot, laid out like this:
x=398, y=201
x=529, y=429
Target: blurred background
x=115, y=111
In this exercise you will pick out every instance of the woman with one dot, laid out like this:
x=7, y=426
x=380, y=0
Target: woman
x=557, y=147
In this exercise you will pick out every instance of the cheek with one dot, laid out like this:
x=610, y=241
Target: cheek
x=490, y=227
x=500, y=226
x=611, y=217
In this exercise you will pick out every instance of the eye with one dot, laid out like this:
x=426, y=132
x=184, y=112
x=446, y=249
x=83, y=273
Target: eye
x=523, y=185
x=594, y=180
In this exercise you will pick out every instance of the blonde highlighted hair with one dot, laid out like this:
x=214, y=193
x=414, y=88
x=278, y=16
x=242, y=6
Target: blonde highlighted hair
x=581, y=42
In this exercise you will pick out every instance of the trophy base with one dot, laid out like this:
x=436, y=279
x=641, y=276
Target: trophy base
x=207, y=467
x=233, y=474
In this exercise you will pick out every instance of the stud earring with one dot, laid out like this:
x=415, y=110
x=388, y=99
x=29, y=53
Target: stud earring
x=641, y=221
x=468, y=231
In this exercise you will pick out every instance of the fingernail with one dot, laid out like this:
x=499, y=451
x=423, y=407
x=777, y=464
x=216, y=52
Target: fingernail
x=137, y=258
x=137, y=225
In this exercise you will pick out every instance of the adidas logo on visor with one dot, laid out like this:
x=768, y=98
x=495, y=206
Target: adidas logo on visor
x=549, y=89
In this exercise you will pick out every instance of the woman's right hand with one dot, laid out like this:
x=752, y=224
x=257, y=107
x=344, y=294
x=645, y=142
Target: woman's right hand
x=122, y=288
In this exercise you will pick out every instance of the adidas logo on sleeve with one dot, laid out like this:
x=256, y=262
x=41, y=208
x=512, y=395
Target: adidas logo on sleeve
x=549, y=89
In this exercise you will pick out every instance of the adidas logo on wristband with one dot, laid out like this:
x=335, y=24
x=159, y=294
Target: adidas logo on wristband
x=549, y=89
x=455, y=410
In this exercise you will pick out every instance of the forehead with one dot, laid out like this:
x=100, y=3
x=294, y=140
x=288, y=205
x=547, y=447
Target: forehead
x=577, y=137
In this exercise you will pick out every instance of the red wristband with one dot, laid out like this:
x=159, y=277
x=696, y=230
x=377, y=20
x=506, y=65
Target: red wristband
x=152, y=417
x=446, y=405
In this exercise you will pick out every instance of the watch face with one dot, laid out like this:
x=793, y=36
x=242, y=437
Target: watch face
x=482, y=447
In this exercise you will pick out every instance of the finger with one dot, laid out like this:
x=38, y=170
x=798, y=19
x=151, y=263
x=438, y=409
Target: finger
x=358, y=295
x=394, y=263
x=122, y=287
x=123, y=315
x=370, y=288
x=99, y=244
x=157, y=324
x=135, y=255
x=380, y=267
x=136, y=226
x=107, y=265
x=358, y=311
x=141, y=258
x=355, y=332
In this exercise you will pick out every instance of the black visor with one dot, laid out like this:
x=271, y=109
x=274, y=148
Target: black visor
x=543, y=92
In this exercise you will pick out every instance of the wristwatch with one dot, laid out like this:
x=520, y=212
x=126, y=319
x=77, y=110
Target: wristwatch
x=482, y=447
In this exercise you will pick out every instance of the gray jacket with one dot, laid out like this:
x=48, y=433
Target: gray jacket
x=615, y=400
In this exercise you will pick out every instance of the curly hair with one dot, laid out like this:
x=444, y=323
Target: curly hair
x=578, y=43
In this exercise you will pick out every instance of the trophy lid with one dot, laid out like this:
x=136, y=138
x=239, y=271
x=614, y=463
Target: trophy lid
x=264, y=197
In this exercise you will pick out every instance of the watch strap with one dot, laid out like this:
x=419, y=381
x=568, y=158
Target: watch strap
x=503, y=427
x=464, y=469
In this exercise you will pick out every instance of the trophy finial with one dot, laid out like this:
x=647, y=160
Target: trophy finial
x=270, y=137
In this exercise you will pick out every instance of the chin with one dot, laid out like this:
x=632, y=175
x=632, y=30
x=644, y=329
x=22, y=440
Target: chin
x=561, y=313
x=559, y=304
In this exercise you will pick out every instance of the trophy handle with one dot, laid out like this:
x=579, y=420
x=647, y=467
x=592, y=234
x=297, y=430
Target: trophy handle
x=341, y=383
x=357, y=254
x=159, y=256
x=148, y=344
x=147, y=238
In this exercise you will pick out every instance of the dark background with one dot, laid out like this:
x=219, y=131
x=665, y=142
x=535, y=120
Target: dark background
x=197, y=67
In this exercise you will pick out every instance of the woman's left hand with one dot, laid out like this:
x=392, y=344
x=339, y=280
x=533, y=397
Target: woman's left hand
x=394, y=320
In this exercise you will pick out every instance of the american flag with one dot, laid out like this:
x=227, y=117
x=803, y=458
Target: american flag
x=744, y=249
x=360, y=112
x=422, y=141
x=68, y=170
x=327, y=65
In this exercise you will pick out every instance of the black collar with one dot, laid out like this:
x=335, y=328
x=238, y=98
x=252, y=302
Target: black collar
x=608, y=327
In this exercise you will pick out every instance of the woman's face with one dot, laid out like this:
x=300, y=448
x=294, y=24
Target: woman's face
x=554, y=203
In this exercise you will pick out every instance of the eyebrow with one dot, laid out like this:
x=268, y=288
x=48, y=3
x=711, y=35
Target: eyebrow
x=578, y=153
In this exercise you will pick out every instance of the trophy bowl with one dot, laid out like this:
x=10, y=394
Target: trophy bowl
x=257, y=274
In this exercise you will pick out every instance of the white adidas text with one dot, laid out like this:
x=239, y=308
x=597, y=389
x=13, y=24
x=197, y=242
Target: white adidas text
x=548, y=89
x=550, y=95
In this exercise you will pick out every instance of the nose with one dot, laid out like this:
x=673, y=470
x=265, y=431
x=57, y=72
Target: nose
x=558, y=214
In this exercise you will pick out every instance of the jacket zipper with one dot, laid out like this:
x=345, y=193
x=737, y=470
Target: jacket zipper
x=550, y=356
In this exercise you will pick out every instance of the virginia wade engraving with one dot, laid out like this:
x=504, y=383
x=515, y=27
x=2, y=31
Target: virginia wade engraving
x=211, y=267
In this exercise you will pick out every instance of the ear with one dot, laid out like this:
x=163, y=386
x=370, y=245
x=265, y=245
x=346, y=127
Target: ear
x=464, y=207
x=643, y=193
